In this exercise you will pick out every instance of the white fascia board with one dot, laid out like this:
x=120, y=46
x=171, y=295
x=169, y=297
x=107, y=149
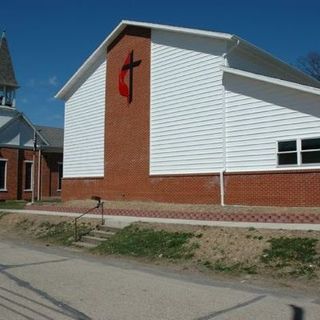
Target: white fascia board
x=21, y=115
x=91, y=61
x=261, y=52
x=24, y=117
x=100, y=53
x=197, y=32
x=279, y=82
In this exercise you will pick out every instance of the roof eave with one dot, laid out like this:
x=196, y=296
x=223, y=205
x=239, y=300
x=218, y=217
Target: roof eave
x=99, y=54
x=275, y=81
x=272, y=58
x=91, y=60
x=34, y=128
x=63, y=94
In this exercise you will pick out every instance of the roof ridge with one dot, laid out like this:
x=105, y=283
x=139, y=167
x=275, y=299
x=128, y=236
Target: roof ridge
x=39, y=125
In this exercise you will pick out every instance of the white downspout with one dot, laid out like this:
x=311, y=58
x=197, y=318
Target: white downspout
x=39, y=174
x=222, y=187
x=224, y=153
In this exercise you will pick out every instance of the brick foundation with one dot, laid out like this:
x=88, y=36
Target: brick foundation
x=285, y=188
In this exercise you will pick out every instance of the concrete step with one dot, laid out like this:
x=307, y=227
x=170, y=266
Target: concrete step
x=107, y=228
x=101, y=234
x=92, y=240
x=84, y=244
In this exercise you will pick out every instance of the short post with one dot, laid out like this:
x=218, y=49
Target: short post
x=75, y=230
x=102, y=219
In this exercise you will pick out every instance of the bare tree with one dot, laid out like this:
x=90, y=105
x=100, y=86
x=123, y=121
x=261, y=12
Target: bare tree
x=310, y=64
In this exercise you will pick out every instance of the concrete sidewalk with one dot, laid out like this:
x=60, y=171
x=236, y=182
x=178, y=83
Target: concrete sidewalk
x=123, y=221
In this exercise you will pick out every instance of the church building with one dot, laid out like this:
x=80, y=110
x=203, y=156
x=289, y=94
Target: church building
x=170, y=114
x=30, y=156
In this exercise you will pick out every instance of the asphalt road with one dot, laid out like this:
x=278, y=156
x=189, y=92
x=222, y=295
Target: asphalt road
x=52, y=284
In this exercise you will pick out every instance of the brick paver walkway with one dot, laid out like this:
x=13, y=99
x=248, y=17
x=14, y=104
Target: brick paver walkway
x=209, y=216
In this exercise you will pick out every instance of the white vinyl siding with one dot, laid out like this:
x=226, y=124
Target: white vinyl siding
x=84, y=128
x=258, y=115
x=186, y=104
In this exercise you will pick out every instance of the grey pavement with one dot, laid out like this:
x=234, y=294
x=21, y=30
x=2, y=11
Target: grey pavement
x=123, y=221
x=37, y=282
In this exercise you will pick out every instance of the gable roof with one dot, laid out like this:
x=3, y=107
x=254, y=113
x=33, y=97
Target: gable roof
x=279, y=82
x=20, y=116
x=100, y=53
x=54, y=136
x=7, y=75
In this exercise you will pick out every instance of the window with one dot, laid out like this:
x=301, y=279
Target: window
x=299, y=152
x=3, y=175
x=28, y=175
x=310, y=151
x=60, y=175
x=287, y=152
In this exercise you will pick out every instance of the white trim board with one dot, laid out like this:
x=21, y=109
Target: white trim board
x=279, y=82
x=99, y=54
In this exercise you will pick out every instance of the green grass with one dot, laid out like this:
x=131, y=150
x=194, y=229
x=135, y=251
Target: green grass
x=60, y=233
x=236, y=268
x=24, y=224
x=12, y=204
x=298, y=255
x=2, y=214
x=287, y=250
x=144, y=242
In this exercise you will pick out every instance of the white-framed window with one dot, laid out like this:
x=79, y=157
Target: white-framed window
x=28, y=175
x=298, y=152
x=310, y=151
x=3, y=174
x=287, y=153
x=60, y=175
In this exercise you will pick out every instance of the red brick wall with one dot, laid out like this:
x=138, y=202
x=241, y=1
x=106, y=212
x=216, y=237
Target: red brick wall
x=286, y=188
x=16, y=173
x=27, y=155
x=127, y=152
x=50, y=174
x=12, y=165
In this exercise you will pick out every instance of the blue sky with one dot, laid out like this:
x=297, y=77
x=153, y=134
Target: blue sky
x=50, y=39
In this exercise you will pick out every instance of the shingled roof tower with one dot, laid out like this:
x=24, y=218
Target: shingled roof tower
x=8, y=82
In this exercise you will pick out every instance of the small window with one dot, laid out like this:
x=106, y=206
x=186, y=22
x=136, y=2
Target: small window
x=28, y=176
x=284, y=146
x=3, y=174
x=310, y=144
x=60, y=175
x=287, y=152
x=310, y=151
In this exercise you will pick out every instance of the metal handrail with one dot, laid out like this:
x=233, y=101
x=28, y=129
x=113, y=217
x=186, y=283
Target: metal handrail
x=99, y=205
